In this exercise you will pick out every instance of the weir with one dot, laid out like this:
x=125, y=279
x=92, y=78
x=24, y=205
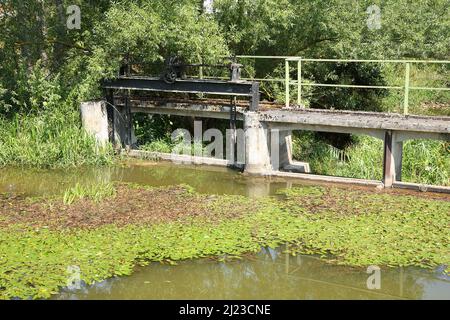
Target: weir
x=261, y=126
x=267, y=127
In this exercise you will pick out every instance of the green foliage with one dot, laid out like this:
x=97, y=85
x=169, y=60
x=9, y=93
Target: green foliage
x=52, y=139
x=250, y=25
x=427, y=162
x=147, y=33
x=365, y=228
x=426, y=102
x=356, y=228
x=339, y=29
x=44, y=67
x=95, y=192
x=336, y=28
x=163, y=146
x=424, y=161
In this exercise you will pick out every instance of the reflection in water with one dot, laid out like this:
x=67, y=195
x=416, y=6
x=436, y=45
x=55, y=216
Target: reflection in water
x=211, y=180
x=270, y=274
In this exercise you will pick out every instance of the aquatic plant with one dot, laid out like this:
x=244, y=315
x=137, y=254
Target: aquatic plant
x=355, y=228
x=95, y=192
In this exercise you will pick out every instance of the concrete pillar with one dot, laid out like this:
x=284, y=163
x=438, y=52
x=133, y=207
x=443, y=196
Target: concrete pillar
x=281, y=152
x=257, y=155
x=393, y=152
x=94, y=118
x=397, y=147
x=285, y=149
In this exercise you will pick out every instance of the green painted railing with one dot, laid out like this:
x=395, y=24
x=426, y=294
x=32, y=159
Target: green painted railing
x=299, y=82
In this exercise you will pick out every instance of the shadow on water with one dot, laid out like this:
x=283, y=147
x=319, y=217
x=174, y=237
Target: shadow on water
x=270, y=274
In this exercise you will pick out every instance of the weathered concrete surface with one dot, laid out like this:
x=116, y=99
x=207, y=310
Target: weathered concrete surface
x=281, y=153
x=369, y=123
x=421, y=187
x=363, y=120
x=284, y=148
x=180, y=158
x=94, y=119
x=257, y=154
x=260, y=146
x=298, y=167
x=392, y=163
x=328, y=179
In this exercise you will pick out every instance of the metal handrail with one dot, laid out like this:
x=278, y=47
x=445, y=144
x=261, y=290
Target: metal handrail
x=288, y=82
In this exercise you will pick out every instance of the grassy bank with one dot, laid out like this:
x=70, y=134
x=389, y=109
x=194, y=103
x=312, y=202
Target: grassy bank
x=110, y=234
x=49, y=139
x=424, y=161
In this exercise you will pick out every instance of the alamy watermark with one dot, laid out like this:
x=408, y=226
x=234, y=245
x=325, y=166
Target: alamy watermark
x=374, y=17
x=231, y=146
x=74, y=17
x=74, y=278
x=374, y=280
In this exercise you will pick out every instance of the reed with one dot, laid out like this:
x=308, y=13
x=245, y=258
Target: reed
x=49, y=140
x=94, y=192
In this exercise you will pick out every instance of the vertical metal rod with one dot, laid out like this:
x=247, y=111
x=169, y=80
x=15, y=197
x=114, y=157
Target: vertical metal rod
x=299, y=81
x=388, y=163
x=233, y=138
x=406, y=99
x=200, y=70
x=287, y=81
x=200, y=75
x=110, y=110
x=129, y=120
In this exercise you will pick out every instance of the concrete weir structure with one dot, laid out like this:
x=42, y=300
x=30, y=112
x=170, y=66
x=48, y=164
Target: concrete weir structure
x=268, y=143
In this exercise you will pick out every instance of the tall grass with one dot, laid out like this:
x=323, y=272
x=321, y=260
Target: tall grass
x=424, y=161
x=49, y=140
x=95, y=192
x=427, y=162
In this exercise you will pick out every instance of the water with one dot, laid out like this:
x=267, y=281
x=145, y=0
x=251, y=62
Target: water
x=271, y=274
x=211, y=180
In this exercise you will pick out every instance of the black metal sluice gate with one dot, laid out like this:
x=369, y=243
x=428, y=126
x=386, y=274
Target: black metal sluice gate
x=212, y=87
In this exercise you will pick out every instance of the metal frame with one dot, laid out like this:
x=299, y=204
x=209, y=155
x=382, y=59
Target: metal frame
x=225, y=88
x=288, y=82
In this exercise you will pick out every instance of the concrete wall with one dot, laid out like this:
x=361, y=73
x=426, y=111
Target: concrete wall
x=94, y=118
x=257, y=154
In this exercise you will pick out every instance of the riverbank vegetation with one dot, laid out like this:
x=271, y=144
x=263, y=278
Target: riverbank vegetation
x=40, y=239
x=48, y=69
x=426, y=162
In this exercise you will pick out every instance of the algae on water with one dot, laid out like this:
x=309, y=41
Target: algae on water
x=356, y=228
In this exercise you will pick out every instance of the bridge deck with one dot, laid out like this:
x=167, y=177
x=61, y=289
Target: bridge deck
x=358, y=119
